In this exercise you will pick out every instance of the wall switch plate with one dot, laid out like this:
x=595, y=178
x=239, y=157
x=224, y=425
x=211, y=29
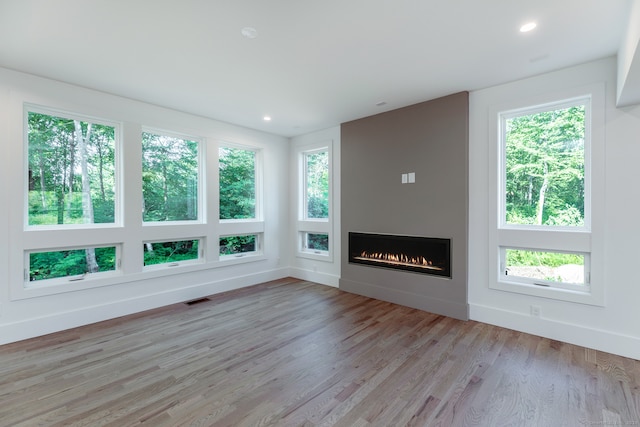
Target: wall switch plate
x=404, y=178
x=412, y=177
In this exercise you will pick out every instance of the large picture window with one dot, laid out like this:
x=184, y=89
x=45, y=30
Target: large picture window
x=544, y=166
x=169, y=178
x=237, y=183
x=71, y=166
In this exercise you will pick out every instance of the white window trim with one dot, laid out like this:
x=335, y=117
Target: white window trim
x=128, y=232
x=587, y=239
x=313, y=225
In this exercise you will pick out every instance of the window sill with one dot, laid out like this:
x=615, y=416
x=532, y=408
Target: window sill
x=59, y=286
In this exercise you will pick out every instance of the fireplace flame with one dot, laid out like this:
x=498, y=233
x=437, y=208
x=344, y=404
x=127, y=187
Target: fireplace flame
x=398, y=259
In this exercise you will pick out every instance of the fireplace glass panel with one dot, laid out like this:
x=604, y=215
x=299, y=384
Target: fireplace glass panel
x=426, y=255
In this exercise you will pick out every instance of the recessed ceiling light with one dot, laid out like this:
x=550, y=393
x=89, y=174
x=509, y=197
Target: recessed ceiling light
x=267, y=118
x=528, y=27
x=249, y=32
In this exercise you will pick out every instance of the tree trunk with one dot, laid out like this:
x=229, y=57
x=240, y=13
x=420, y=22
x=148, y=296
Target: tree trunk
x=72, y=164
x=165, y=191
x=100, y=171
x=543, y=191
x=43, y=187
x=87, y=205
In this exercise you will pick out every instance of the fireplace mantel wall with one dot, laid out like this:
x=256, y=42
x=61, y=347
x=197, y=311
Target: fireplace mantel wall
x=430, y=139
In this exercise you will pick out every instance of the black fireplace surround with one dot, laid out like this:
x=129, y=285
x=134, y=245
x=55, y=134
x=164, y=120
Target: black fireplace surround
x=426, y=255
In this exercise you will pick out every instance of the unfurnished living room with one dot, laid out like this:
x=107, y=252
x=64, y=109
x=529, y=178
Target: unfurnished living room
x=337, y=213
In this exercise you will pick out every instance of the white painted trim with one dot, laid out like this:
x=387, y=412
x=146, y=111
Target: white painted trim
x=85, y=315
x=315, y=276
x=596, y=339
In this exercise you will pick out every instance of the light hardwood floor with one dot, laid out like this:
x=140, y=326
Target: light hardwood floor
x=294, y=353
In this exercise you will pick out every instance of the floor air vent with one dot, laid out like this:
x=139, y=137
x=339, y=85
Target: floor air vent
x=197, y=301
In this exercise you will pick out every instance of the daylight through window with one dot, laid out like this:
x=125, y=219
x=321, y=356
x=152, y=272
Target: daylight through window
x=169, y=178
x=71, y=171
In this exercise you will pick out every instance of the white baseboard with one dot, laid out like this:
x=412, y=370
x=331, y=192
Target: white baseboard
x=596, y=339
x=314, y=276
x=34, y=327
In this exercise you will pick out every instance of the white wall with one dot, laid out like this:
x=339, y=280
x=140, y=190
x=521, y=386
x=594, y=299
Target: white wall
x=615, y=327
x=26, y=317
x=326, y=272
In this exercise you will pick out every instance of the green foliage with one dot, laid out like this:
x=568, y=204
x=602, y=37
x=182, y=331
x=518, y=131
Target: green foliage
x=319, y=242
x=169, y=178
x=545, y=168
x=546, y=259
x=317, y=181
x=160, y=253
x=237, y=183
x=55, y=179
x=51, y=265
x=232, y=245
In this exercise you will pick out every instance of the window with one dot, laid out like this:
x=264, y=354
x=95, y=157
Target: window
x=173, y=253
x=543, y=240
x=314, y=218
x=241, y=226
x=71, y=201
x=169, y=178
x=544, y=166
x=72, y=171
x=238, y=245
x=237, y=183
x=70, y=264
x=316, y=183
x=547, y=268
x=317, y=243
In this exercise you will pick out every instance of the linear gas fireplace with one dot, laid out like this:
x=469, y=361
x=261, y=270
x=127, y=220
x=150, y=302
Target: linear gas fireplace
x=427, y=255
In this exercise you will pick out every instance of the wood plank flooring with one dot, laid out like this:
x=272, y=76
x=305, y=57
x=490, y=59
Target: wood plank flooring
x=294, y=353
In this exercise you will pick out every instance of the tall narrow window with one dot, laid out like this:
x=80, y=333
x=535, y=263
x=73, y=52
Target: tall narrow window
x=316, y=177
x=237, y=183
x=71, y=171
x=314, y=220
x=169, y=178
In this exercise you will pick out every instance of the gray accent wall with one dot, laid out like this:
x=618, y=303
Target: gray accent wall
x=430, y=139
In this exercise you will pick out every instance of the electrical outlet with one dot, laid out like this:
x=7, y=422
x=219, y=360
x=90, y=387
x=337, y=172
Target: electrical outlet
x=535, y=310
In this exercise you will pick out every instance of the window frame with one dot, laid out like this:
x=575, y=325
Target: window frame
x=305, y=185
x=585, y=239
x=70, y=283
x=307, y=225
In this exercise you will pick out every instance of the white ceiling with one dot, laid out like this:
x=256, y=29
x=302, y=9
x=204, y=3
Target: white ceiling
x=314, y=64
